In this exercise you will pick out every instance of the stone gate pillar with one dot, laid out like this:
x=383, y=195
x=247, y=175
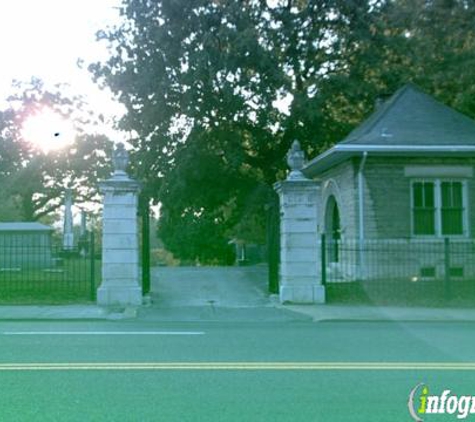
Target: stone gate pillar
x=120, y=241
x=300, y=270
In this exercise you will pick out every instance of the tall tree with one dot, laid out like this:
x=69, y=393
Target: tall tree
x=32, y=183
x=217, y=90
x=202, y=82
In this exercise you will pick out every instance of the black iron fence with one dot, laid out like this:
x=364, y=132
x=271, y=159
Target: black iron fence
x=33, y=271
x=144, y=214
x=400, y=271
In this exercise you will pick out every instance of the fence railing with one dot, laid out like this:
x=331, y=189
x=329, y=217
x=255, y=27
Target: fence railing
x=399, y=271
x=33, y=271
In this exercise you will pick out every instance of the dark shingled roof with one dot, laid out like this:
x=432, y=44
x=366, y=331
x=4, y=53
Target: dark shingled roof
x=411, y=117
x=410, y=123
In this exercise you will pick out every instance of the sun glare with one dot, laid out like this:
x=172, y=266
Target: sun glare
x=48, y=131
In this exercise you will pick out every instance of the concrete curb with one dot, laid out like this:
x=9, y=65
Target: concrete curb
x=68, y=312
x=289, y=312
x=243, y=314
x=320, y=313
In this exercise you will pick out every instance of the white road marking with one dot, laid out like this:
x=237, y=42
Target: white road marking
x=102, y=333
x=239, y=366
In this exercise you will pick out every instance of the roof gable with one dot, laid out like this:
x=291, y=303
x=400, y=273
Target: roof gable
x=410, y=123
x=411, y=117
x=24, y=227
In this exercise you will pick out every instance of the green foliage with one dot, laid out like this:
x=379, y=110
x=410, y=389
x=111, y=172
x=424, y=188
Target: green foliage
x=196, y=237
x=32, y=182
x=202, y=82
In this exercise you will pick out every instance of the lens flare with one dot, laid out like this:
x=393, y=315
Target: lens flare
x=48, y=131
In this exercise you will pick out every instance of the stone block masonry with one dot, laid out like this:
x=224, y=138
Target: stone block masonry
x=300, y=268
x=120, y=240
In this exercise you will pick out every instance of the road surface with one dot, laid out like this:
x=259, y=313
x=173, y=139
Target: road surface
x=228, y=371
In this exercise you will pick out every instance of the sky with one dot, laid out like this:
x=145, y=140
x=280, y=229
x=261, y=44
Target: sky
x=45, y=39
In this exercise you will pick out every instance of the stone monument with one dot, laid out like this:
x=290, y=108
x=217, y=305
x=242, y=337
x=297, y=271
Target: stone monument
x=120, y=241
x=68, y=234
x=83, y=235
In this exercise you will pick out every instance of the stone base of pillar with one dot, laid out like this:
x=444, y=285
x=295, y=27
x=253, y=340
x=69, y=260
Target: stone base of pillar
x=308, y=293
x=119, y=296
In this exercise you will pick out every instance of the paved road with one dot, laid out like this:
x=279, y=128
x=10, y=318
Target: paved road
x=214, y=294
x=197, y=286
x=213, y=348
x=275, y=371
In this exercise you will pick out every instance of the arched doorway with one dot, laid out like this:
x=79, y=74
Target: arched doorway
x=333, y=229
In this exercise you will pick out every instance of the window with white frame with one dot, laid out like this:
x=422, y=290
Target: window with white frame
x=438, y=207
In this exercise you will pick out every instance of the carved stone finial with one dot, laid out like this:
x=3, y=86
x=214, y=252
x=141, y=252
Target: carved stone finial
x=296, y=161
x=120, y=159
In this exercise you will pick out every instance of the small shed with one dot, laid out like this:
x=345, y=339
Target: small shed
x=25, y=245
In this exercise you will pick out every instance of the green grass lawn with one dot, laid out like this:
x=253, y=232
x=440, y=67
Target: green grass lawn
x=430, y=293
x=66, y=283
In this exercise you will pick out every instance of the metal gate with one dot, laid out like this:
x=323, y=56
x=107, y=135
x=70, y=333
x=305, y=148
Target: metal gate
x=273, y=241
x=144, y=214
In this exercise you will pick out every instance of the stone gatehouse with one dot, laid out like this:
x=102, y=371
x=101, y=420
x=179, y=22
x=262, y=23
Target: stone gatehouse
x=404, y=176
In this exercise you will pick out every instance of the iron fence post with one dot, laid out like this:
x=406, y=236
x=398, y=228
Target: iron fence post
x=447, y=287
x=324, y=259
x=93, y=269
x=145, y=212
x=273, y=242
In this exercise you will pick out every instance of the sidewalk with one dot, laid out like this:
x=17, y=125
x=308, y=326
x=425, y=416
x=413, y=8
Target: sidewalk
x=270, y=312
x=331, y=312
x=64, y=312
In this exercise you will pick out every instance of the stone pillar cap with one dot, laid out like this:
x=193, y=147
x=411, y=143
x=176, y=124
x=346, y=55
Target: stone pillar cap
x=296, y=161
x=120, y=160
